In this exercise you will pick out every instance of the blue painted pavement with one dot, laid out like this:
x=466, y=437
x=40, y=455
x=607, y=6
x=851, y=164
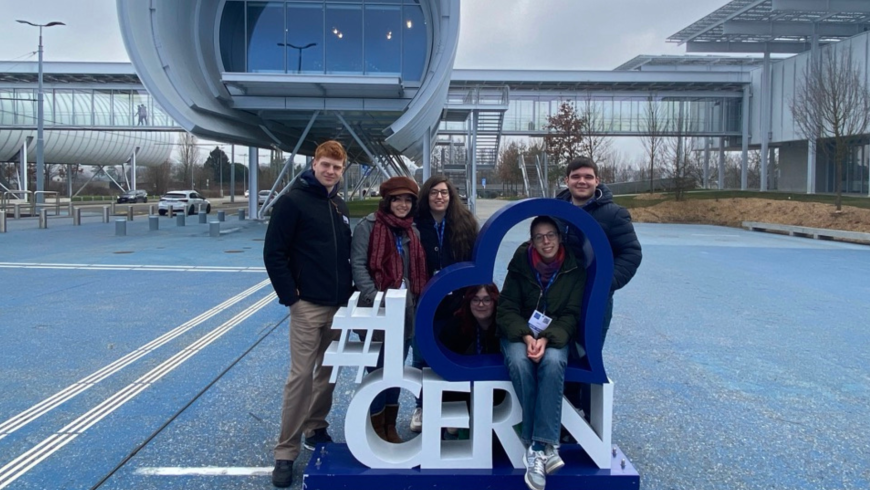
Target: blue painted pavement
x=739, y=359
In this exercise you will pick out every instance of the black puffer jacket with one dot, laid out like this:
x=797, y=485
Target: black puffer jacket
x=307, y=247
x=615, y=220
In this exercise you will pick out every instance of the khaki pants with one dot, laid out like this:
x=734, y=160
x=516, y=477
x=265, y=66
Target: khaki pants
x=308, y=392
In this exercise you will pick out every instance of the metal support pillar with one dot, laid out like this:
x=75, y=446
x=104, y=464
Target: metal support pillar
x=472, y=196
x=772, y=168
x=360, y=143
x=427, y=155
x=765, y=118
x=289, y=163
x=706, y=163
x=253, y=184
x=133, y=170
x=22, y=182
x=744, y=141
x=811, y=142
x=233, y=173
x=69, y=177
x=721, y=184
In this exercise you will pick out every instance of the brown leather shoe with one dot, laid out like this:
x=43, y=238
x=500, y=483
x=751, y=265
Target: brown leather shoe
x=391, y=413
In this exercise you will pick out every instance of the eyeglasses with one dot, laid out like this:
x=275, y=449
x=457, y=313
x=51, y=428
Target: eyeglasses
x=551, y=236
x=481, y=301
x=439, y=192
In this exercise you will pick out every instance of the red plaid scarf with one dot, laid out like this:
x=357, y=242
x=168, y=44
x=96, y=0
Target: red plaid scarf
x=385, y=263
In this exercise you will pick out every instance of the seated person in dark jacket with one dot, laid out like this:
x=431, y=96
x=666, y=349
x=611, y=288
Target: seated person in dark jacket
x=538, y=313
x=472, y=332
x=473, y=329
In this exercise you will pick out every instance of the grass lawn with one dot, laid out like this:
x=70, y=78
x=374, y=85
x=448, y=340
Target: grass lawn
x=361, y=209
x=642, y=201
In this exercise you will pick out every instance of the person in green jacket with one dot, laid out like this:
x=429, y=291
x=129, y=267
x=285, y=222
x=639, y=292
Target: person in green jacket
x=538, y=313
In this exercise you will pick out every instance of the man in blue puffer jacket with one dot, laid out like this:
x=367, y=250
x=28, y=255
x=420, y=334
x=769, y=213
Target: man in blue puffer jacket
x=586, y=191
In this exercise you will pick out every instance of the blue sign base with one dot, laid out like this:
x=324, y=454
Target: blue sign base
x=332, y=467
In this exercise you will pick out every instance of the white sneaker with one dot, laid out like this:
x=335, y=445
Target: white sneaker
x=536, y=469
x=554, y=461
x=417, y=420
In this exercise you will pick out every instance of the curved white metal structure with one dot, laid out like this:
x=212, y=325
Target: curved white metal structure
x=176, y=49
x=90, y=147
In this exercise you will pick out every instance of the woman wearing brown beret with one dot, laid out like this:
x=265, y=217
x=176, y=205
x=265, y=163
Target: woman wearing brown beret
x=386, y=254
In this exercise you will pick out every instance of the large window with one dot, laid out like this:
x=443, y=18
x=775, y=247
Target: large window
x=344, y=39
x=265, y=37
x=383, y=39
x=304, y=45
x=353, y=37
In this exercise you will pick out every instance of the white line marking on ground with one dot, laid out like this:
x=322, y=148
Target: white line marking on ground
x=205, y=471
x=114, y=267
x=23, y=463
x=71, y=391
x=711, y=235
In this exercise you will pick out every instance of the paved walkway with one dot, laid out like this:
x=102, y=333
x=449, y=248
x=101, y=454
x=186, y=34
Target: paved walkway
x=739, y=359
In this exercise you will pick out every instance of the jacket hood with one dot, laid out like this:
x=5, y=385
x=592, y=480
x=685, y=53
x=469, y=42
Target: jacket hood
x=308, y=182
x=603, y=195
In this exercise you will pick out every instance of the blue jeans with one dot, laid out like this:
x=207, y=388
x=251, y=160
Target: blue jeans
x=389, y=396
x=539, y=389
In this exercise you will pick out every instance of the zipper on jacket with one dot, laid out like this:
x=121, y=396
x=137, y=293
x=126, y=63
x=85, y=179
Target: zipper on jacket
x=329, y=205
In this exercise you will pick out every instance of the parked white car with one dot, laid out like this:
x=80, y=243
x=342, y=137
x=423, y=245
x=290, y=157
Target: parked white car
x=183, y=202
x=261, y=197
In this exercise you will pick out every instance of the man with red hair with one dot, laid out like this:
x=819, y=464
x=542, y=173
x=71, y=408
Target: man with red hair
x=307, y=256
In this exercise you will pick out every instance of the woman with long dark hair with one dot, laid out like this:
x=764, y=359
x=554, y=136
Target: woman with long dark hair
x=448, y=231
x=386, y=253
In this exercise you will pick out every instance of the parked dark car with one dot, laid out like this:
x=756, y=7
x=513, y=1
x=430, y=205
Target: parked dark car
x=133, y=196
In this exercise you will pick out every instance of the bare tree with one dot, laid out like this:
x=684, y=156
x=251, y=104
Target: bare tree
x=159, y=178
x=833, y=105
x=594, y=144
x=188, y=158
x=653, y=142
x=682, y=162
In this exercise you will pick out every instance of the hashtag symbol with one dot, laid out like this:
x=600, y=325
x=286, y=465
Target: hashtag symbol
x=390, y=319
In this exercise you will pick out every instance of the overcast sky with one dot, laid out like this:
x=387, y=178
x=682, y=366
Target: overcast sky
x=520, y=34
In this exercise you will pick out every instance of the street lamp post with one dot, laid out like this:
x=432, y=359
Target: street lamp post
x=298, y=48
x=40, y=141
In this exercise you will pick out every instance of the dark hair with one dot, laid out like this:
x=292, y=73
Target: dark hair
x=467, y=322
x=384, y=204
x=543, y=220
x=462, y=222
x=581, y=162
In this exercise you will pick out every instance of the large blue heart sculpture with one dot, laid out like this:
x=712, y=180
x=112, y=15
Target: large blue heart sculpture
x=455, y=367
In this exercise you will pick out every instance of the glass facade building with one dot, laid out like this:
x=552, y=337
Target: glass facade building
x=362, y=37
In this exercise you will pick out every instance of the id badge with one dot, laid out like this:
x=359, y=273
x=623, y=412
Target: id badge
x=539, y=322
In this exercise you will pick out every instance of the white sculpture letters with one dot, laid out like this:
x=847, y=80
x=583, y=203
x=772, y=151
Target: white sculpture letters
x=429, y=451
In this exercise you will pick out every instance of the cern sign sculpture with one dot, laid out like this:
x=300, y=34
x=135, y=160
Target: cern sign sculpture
x=478, y=375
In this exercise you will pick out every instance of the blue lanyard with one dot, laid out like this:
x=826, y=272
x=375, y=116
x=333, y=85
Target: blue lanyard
x=399, y=245
x=439, y=230
x=545, y=289
x=479, y=346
